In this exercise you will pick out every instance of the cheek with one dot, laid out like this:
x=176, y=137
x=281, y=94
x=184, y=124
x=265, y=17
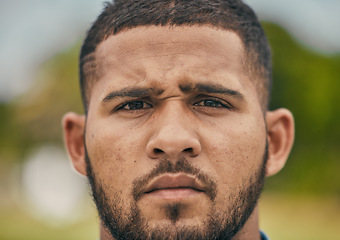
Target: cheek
x=112, y=153
x=237, y=149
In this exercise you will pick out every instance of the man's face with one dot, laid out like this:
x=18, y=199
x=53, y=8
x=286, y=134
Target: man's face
x=175, y=134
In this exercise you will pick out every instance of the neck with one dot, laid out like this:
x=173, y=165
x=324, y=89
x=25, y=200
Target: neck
x=104, y=233
x=251, y=229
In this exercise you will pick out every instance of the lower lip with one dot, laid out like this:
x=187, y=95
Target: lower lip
x=174, y=193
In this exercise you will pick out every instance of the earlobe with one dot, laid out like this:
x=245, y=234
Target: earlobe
x=73, y=127
x=280, y=134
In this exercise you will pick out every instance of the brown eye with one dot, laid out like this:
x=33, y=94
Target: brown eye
x=135, y=105
x=211, y=103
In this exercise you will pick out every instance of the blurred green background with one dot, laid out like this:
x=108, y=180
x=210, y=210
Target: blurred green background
x=41, y=198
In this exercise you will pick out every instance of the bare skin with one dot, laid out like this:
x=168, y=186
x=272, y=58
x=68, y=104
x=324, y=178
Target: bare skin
x=175, y=93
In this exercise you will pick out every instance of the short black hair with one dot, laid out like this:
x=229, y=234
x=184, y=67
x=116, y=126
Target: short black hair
x=231, y=15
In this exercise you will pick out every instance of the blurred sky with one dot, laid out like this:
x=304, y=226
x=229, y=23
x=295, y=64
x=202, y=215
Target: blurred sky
x=32, y=31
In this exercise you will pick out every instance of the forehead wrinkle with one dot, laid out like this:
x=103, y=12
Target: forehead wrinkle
x=171, y=36
x=144, y=52
x=113, y=49
x=90, y=73
x=89, y=63
x=140, y=45
x=179, y=46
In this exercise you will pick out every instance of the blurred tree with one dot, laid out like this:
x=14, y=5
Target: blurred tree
x=34, y=119
x=308, y=84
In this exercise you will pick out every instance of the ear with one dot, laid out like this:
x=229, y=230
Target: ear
x=74, y=127
x=280, y=133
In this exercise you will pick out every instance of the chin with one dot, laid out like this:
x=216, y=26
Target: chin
x=178, y=214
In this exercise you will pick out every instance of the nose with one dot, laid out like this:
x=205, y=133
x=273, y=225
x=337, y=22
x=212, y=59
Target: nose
x=173, y=136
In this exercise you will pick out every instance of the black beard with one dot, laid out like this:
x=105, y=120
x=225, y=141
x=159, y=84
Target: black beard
x=219, y=225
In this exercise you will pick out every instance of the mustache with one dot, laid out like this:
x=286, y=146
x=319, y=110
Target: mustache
x=180, y=166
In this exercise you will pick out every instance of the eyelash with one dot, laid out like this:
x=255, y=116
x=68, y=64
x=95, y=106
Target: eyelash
x=212, y=100
x=126, y=104
x=145, y=105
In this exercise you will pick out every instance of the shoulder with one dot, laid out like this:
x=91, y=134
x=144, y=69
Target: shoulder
x=263, y=236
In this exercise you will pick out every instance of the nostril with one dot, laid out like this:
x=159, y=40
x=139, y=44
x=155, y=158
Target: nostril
x=188, y=150
x=157, y=151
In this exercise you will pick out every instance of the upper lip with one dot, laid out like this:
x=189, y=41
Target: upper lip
x=172, y=181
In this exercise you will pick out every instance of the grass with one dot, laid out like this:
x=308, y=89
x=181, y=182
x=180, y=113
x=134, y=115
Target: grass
x=17, y=225
x=282, y=217
x=285, y=217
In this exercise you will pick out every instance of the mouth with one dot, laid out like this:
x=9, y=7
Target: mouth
x=174, y=187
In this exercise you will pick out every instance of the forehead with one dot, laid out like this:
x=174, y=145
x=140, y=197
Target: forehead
x=170, y=55
x=167, y=43
x=154, y=38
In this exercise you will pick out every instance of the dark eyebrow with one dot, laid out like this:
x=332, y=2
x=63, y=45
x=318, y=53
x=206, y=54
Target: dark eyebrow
x=135, y=92
x=211, y=88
